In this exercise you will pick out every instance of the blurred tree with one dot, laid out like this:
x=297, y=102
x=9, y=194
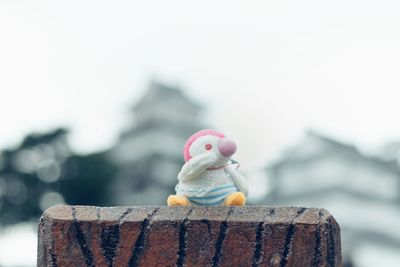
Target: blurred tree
x=87, y=179
x=43, y=171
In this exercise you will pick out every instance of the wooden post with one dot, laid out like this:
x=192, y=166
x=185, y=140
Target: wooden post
x=188, y=236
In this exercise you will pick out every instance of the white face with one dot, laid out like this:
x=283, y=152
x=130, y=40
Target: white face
x=208, y=144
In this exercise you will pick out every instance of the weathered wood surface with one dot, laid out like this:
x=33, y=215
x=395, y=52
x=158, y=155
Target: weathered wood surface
x=188, y=236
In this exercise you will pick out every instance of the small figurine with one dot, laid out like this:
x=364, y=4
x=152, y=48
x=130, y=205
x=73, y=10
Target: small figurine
x=209, y=176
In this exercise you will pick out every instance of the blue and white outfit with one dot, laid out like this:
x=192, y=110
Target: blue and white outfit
x=209, y=188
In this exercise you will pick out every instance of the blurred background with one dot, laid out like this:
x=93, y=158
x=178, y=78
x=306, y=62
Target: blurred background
x=97, y=99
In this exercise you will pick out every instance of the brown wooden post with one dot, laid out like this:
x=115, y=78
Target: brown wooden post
x=188, y=236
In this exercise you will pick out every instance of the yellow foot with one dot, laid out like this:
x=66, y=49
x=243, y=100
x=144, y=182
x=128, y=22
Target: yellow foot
x=177, y=200
x=235, y=199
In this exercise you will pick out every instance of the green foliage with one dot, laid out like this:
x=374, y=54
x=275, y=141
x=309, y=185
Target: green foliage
x=87, y=179
x=43, y=171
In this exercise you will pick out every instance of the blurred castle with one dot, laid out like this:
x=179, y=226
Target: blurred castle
x=140, y=170
x=362, y=192
x=149, y=154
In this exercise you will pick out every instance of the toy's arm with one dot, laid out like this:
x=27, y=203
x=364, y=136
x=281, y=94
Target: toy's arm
x=194, y=167
x=238, y=179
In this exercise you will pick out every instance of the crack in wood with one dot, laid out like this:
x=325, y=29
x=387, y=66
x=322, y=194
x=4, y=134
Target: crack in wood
x=109, y=241
x=289, y=237
x=288, y=242
x=110, y=238
x=141, y=240
x=321, y=213
x=182, y=240
x=223, y=229
x=53, y=260
x=53, y=256
x=258, y=248
x=331, y=245
x=80, y=238
x=317, y=248
x=126, y=213
x=272, y=211
x=300, y=211
x=98, y=213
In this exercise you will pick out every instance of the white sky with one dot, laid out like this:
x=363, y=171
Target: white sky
x=267, y=70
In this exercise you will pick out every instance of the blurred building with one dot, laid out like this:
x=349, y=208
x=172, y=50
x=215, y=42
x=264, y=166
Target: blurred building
x=362, y=192
x=149, y=154
x=141, y=169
